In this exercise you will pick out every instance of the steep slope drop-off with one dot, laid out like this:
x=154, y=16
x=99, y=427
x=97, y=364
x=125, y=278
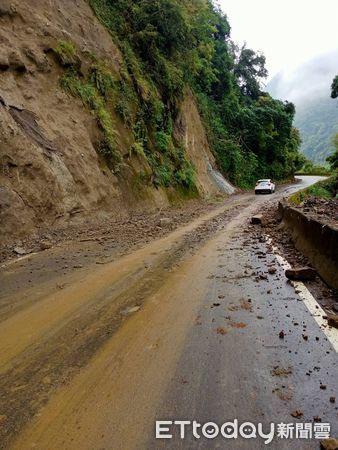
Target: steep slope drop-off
x=65, y=151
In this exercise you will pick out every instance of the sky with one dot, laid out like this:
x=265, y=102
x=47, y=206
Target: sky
x=288, y=32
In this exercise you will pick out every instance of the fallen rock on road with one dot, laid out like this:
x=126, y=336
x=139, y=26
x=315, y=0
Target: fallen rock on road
x=19, y=251
x=257, y=220
x=45, y=245
x=333, y=321
x=301, y=274
x=165, y=221
x=297, y=414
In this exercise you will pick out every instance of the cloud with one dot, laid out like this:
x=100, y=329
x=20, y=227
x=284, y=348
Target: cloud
x=308, y=81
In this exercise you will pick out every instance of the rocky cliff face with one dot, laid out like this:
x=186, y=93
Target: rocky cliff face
x=51, y=172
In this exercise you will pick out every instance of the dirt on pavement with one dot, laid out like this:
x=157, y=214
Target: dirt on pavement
x=49, y=331
x=118, y=233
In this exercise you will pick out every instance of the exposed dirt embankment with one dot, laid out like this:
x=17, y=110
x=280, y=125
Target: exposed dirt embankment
x=51, y=173
x=315, y=235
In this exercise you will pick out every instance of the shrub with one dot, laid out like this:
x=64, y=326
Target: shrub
x=163, y=175
x=186, y=177
x=162, y=141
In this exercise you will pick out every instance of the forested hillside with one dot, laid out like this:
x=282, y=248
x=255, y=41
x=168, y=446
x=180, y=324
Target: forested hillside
x=318, y=122
x=169, y=45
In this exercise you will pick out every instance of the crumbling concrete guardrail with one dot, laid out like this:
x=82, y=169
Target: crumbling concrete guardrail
x=317, y=241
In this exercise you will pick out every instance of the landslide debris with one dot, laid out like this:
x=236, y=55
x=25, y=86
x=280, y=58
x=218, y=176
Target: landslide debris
x=282, y=241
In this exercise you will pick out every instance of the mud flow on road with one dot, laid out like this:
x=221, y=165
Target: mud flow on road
x=200, y=324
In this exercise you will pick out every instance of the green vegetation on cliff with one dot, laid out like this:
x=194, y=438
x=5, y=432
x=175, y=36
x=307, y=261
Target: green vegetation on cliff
x=104, y=91
x=169, y=45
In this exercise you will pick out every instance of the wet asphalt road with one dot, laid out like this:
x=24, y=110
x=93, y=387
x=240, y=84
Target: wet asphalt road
x=249, y=373
x=204, y=346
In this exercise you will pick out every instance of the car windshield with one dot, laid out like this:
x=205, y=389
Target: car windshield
x=264, y=183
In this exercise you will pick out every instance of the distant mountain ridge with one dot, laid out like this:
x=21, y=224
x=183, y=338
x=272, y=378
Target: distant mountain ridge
x=317, y=121
x=308, y=87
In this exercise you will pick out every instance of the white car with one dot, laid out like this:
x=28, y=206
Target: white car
x=265, y=187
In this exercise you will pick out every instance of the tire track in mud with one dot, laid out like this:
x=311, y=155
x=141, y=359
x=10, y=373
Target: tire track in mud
x=27, y=383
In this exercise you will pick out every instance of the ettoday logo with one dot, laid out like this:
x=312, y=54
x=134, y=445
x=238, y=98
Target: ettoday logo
x=246, y=430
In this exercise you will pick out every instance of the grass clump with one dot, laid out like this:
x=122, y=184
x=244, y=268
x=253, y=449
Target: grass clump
x=102, y=78
x=66, y=53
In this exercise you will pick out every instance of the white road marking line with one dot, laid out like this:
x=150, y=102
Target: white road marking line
x=310, y=302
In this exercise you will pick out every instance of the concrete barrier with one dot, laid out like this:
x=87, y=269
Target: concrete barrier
x=317, y=241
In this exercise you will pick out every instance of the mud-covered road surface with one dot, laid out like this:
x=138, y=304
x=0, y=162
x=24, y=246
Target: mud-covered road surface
x=186, y=327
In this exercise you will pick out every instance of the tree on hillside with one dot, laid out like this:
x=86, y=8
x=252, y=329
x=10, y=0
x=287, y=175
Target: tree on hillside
x=333, y=159
x=249, y=70
x=334, y=87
